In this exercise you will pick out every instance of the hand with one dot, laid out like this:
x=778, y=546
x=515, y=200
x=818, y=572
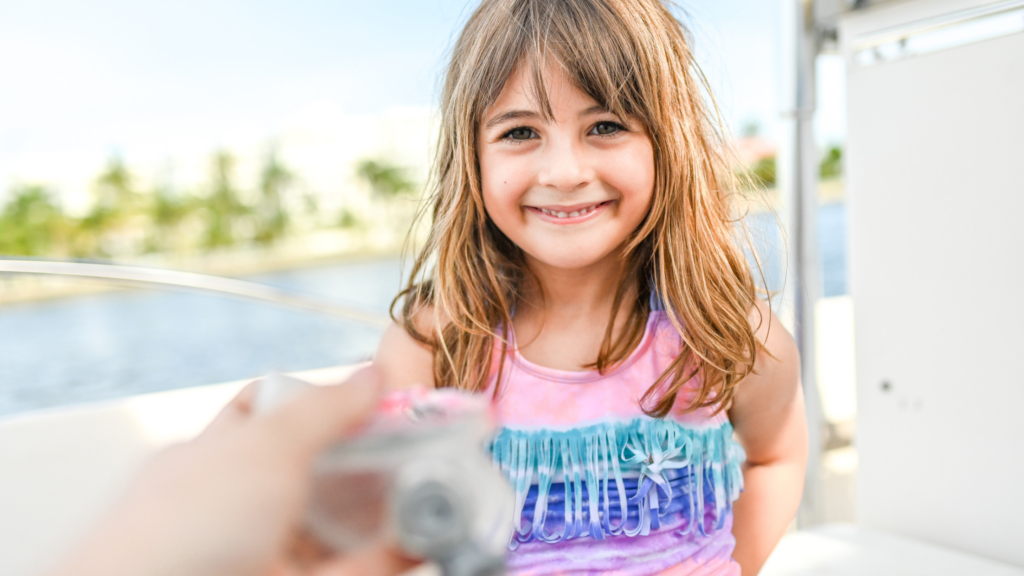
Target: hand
x=229, y=503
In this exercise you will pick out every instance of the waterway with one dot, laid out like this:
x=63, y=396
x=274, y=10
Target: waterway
x=107, y=345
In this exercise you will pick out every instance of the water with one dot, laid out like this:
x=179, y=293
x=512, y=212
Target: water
x=832, y=249
x=100, y=346
x=767, y=244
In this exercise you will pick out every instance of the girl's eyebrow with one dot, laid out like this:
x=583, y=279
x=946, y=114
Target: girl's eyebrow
x=595, y=109
x=521, y=114
x=511, y=115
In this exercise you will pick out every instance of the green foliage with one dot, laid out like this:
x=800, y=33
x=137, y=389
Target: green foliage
x=750, y=129
x=169, y=210
x=832, y=163
x=126, y=219
x=116, y=197
x=117, y=208
x=271, y=216
x=763, y=173
x=385, y=179
x=223, y=207
x=114, y=187
x=347, y=219
x=31, y=223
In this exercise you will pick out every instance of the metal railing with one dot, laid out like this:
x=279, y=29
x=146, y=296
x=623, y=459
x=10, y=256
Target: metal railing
x=194, y=282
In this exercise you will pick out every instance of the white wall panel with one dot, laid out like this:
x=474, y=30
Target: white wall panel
x=935, y=176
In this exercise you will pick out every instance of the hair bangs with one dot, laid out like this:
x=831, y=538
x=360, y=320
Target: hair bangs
x=592, y=45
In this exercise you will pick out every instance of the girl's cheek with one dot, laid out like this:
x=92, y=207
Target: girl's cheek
x=503, y=181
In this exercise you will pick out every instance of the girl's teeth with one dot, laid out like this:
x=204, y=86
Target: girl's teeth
x=570, y=214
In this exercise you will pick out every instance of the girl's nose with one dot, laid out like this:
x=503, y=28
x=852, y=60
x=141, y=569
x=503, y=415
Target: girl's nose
x=564, y=167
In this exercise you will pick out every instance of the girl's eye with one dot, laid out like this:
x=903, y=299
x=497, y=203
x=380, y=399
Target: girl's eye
x=606, y=128
x=521, y=133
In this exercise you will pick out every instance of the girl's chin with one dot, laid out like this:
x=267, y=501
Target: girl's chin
x=568, y=261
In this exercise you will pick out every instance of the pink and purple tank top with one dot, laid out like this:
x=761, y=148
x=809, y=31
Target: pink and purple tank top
x=602, y=488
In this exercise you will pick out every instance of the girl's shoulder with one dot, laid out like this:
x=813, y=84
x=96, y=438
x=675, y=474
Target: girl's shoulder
x=767, y=408
x=402, y=359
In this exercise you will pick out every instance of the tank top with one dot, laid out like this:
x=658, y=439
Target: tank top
x=602, y=488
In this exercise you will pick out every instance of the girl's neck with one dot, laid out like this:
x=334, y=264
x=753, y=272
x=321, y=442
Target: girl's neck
x=563, y=315
x=558, y=292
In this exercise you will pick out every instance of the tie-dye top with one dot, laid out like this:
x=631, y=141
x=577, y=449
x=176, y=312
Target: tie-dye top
x=602, y=488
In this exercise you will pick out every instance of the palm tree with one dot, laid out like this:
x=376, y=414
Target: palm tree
x=222, y=205
x=32, y=224
x=271, y=216
x=385, y=179
x=832, y=163
x=115, y=197
x=116, y=205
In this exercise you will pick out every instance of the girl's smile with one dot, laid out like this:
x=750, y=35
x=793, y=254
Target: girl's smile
x=566, y=215
x=568, y=188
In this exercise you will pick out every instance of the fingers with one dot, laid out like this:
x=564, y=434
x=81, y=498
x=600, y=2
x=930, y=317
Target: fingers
x=244, y=399
x=307, y=552
x=376, y=562
x=315, y=417
x=235, y=411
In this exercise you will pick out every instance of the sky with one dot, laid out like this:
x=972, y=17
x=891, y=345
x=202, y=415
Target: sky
x=83, y=81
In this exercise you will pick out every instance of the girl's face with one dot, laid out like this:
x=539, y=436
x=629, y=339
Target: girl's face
x=569, y=192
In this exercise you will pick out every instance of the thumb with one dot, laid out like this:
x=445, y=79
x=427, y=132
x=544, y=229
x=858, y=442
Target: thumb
x=319, y=415
x=374, y=562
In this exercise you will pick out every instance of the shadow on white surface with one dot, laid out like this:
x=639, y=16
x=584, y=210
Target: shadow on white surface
x=849, y=550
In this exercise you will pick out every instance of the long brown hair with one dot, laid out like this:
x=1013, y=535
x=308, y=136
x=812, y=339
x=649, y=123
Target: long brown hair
x=633, y=57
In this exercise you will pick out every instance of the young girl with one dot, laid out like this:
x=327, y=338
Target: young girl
x=581, y=268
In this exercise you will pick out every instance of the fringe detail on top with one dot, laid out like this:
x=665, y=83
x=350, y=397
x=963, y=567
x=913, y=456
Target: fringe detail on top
x=597, y=462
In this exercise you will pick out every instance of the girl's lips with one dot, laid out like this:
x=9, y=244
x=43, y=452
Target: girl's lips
x=569, y=214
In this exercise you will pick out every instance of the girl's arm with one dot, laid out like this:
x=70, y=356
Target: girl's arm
x=403, y=361
x=768, y=415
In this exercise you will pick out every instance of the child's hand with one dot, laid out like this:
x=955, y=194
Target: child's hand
x=229, y=502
